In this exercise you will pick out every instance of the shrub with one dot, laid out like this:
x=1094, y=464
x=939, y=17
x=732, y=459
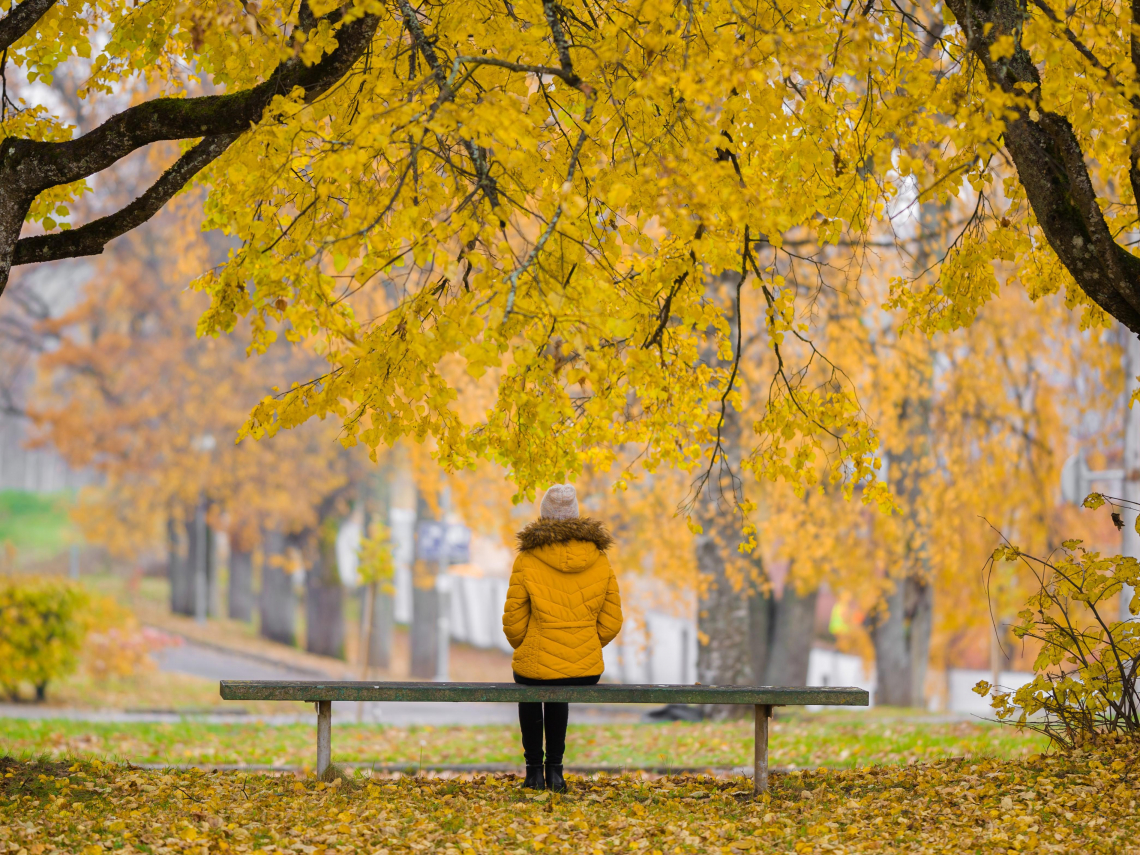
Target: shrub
x=1084, y=684
x=115, y=644
x=41, y=632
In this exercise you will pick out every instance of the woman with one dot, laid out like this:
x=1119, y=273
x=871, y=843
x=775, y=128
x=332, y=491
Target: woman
x=562, y=608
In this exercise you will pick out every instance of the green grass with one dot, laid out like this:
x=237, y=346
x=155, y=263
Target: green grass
x=840, y=740
x=35, y=524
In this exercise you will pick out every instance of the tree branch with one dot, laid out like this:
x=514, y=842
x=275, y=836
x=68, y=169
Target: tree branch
x=540, y=70
x=36, y=166
x=1134, y=149
x=1051, y=167
x=561, y=43
x=90, y=239
x=20, y=20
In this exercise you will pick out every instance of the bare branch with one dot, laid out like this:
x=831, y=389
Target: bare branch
x=561, y=43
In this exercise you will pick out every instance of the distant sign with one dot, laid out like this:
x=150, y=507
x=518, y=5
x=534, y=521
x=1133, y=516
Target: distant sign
x=458, y=544
x=436, y=541
x=430, y=540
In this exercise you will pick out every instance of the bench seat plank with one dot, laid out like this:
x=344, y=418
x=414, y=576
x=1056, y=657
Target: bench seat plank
x=315, y=690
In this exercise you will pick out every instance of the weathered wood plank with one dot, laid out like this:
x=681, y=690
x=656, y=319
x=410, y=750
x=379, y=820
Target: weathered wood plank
x=315, y=690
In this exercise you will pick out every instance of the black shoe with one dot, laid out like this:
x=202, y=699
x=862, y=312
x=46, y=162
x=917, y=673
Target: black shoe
x=534, y=778
x=554, y=779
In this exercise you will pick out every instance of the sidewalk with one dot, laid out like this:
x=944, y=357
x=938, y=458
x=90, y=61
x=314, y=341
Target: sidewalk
x=475, y=664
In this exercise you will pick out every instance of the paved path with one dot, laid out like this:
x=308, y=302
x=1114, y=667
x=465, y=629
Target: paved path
x=215, y=663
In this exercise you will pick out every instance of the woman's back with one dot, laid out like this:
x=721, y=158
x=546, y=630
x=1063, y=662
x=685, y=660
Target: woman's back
x=563, y=604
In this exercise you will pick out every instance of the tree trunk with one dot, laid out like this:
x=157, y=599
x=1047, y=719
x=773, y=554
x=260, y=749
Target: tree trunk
x=793, y=631
x=324, y=598
x=724, y=575
x=378, y=614
x=761, y=608
x=920, y=596
x=892, y=652
x=241, y=585
x=213, y=587
x=425, y=598
x=201, y=564
x=425, y=627
x=179, y=570
x=278, y=601
x=781, y=632
x=13, y=209
x=902, y=636
x=723, y=615
x=380, y=630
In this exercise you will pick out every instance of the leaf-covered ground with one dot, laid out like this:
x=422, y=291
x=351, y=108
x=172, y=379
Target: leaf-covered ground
x=796, y=742
x=1081, y=803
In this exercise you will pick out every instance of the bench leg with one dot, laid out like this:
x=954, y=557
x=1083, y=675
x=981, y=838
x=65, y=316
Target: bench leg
x=324, y=736
x=760, y=771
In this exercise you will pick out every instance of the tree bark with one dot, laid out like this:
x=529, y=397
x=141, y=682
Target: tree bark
x=20, y=19
x=278, y=601
x=324, y=599
x=179, y=571
x=13, y=209
x=902, y=644
x=241, y=585
x=425, y=625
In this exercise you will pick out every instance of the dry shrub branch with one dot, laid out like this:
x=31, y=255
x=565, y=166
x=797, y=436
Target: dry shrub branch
x=1084, y=686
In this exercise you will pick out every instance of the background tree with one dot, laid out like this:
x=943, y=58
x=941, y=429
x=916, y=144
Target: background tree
x=133, y=393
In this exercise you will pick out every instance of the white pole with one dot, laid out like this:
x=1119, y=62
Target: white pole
x=1130, y=545
x=443, y=646
x=443, y=595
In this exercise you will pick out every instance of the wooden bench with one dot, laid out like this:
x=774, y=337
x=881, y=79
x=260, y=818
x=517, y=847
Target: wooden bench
x=763, y=698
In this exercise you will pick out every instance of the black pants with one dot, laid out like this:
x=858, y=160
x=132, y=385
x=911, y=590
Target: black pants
x=534, y=717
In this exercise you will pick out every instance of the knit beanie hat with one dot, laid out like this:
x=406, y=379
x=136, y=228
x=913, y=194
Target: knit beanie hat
x=560, y=503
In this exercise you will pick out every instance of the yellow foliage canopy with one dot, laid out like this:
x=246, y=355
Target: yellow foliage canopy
x=543, y=197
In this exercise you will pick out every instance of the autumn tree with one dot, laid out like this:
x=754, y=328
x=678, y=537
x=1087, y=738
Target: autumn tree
x=130, y=391
x=540, y=197
x=482, y=140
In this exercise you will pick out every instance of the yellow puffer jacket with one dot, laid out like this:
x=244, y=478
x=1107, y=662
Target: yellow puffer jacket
x=563, y=604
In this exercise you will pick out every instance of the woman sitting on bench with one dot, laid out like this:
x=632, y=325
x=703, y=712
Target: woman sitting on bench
x=563, y=607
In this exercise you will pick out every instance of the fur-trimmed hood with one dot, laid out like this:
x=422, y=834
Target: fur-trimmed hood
x=547, y=532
